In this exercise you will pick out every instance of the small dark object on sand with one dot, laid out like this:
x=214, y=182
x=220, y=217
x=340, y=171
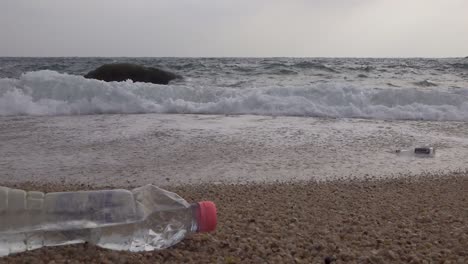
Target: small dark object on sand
x=126, y=71
x=329, y=260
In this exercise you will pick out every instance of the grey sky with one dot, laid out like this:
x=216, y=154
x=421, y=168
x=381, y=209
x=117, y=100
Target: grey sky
x=306, y=28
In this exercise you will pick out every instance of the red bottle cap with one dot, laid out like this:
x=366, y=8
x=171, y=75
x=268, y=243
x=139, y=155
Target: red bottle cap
x=207, y=217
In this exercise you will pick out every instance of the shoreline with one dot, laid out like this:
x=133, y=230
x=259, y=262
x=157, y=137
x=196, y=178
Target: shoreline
x=380, y=221
x=177, y=149
x=310, y=189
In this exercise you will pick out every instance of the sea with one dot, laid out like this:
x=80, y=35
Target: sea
x=368, y=88
x=232, y=120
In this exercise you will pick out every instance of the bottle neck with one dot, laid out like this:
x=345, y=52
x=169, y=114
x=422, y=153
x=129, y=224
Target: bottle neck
x=195, y=207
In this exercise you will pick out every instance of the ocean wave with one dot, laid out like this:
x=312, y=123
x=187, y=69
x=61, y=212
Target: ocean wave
x=273, y=65
x=189, y=65
x=314, y=65
x=463, y=66
x=52, y=93
x=426, y=83
x=285, y=72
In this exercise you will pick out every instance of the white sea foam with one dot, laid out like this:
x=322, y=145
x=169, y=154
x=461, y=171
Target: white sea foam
x=52, y=93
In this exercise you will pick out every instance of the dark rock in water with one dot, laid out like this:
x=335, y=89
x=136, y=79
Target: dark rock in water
x=124, y=71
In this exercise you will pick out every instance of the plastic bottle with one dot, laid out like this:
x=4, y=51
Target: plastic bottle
x=143, y=219
x=418, y=152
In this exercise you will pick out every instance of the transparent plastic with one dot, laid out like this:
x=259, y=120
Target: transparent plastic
x=417, y=152
x=143, y=219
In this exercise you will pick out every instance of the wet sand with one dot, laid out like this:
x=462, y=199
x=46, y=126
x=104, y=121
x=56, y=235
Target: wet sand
x=406, y=220
x=122, y=150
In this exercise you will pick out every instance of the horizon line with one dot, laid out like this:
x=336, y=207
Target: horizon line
x=251, y=57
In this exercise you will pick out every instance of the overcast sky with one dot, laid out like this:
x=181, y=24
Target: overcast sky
x=253, y=28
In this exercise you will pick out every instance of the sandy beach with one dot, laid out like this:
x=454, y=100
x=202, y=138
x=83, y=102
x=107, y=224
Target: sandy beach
x=288, y=189
x=407, y=220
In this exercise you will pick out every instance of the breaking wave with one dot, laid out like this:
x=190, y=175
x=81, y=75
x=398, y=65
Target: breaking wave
x=52, y=93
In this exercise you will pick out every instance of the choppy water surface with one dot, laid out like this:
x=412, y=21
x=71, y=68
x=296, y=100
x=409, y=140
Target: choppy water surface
x=414, y=89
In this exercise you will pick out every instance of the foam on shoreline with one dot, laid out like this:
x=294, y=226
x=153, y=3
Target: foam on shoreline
x=181, y=149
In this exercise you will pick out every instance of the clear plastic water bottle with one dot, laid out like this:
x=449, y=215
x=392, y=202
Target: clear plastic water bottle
x=418, y=152
x=143, y=219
